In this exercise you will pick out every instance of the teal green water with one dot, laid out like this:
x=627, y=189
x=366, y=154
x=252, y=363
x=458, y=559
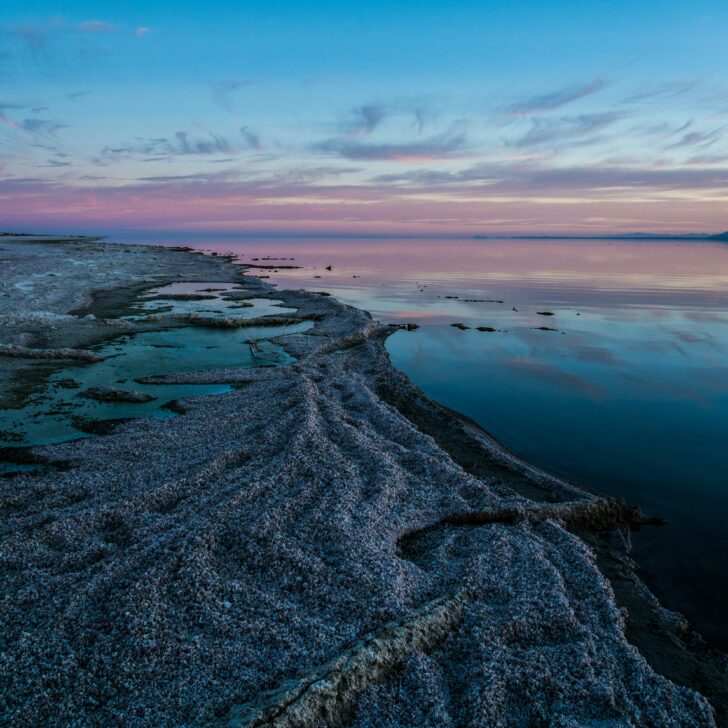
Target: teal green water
x=57, y=411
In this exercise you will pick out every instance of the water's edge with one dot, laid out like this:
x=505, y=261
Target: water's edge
x=669, y=646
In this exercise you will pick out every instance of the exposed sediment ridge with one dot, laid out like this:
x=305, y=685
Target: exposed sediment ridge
x=27, y=352
x=328, y=693
x=299, y=552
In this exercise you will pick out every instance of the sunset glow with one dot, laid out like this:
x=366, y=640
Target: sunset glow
x=351, y=120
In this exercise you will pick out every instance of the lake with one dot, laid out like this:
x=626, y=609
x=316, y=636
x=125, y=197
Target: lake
x=608, y=365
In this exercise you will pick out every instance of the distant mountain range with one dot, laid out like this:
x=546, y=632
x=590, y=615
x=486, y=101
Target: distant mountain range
x=624, y=236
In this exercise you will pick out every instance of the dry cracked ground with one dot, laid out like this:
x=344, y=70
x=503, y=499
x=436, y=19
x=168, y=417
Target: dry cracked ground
x=301, y=551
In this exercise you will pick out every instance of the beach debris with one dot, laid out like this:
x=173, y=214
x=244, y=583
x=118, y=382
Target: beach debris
x=328, y=267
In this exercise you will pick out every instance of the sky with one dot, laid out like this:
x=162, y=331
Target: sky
x=368, y=118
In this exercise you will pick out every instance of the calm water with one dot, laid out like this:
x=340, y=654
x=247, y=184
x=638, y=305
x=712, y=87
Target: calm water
x=628, y=395
x=58, y=411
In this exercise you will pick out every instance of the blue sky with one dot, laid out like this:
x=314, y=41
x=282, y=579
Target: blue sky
x=364, y=118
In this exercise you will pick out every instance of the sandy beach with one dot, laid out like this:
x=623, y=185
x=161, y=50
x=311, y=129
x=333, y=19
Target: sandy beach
x=320, y=545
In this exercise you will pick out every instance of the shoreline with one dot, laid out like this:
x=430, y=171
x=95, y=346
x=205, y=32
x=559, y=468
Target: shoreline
x=407, y=546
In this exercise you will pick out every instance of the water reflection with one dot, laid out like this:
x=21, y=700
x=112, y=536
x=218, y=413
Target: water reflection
x=629, y=393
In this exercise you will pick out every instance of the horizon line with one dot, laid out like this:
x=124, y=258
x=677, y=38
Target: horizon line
x=139, y=234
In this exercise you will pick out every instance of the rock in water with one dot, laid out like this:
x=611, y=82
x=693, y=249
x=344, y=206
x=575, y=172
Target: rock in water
x=116, y=394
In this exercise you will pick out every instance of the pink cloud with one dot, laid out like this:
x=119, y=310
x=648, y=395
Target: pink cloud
x=96, y=26
x=217, y=203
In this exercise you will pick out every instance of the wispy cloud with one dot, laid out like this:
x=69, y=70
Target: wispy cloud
x=251, y=139
x=97, y=26
x=662, y=91
x=55, y=38
x=161, y=147
x=549, y=131
x=55, y=163
x=5, y=119
x=527, y=179
x=439, y=146
x=555, y=99
x=141, y=31
x=224, y=93
x=42, y=127
x=699, y=139
x=475, y=199
x=76, y=95
x=182, y=143
x=35, y=35
x=366, y=118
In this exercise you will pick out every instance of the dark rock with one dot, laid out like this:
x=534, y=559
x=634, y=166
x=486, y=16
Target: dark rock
x=460, y=326
x=486, y=328
x=274, y=267
x=68, y=384
x=545, y=313
x=182, y=297
x=115, y=394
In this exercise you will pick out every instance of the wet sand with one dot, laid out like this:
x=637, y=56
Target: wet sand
x=321, y=545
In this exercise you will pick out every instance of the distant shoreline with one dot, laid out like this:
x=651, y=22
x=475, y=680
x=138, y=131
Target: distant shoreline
x=133, y=235
x=638, y=237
